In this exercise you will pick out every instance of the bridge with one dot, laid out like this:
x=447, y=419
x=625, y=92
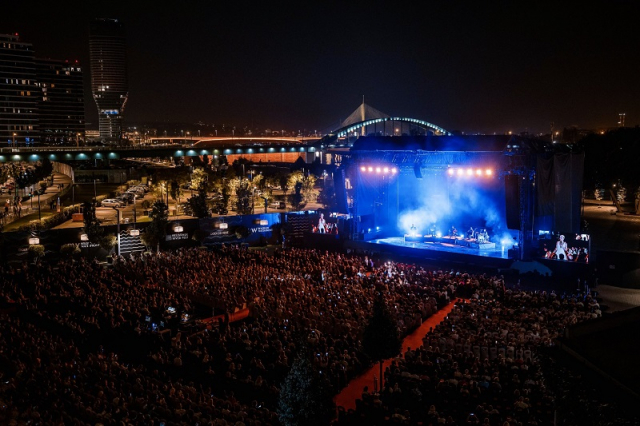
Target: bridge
x=264, y=148
x=366, y=120
x=250, y=140
x=88, y=153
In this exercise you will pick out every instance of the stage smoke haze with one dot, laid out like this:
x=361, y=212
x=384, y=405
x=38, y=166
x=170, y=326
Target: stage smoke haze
x=459, y=202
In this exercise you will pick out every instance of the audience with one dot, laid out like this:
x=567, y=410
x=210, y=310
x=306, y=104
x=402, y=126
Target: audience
x=133, y=343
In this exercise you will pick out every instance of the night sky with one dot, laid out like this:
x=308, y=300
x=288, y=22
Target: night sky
x=472, y=66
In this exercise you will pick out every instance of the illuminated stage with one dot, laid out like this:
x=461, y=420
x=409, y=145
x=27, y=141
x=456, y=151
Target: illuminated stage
x=447, y=247
x=411, y=195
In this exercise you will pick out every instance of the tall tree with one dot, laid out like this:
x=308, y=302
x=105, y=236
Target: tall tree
x=243, y=197
x=305, y=396
x=198, y=177
x=157, y=229
x=198, y=203
x=381, y=338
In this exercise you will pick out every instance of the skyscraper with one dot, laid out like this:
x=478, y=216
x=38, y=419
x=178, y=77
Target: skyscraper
x=109, y=85
x=18, y=92
x=61, y=102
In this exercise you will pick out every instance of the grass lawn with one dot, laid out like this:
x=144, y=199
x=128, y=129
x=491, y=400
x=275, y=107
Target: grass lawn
x=25, y=220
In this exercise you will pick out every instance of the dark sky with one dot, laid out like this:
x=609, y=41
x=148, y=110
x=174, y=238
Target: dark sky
x=469, y=66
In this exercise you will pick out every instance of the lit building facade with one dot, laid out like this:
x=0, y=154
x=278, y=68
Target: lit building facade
x=109, y=84
x=61, y=102
x=18, y=93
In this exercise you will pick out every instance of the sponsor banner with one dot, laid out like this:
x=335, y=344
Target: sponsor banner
x=239, y=229
x=177, y=236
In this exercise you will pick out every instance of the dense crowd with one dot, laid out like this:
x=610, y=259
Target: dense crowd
x=81, y=343
x=100, y=316
x=487, y=363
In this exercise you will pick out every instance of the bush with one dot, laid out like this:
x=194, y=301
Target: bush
x=69, y=250
x=108, y=242
x=36, y=250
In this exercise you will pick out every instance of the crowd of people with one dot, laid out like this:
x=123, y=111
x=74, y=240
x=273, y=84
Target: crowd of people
x=82, y=343
x=101, y=317
x=487, y=363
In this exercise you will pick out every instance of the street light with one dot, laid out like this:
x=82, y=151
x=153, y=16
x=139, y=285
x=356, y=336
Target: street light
x=118, y=218
x=14, y=139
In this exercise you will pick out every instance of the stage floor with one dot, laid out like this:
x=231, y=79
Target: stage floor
x=443, y=247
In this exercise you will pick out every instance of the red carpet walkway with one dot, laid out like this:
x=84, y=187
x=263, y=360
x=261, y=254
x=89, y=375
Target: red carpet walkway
x=347, y=398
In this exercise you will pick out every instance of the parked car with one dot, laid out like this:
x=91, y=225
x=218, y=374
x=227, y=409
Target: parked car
x=127, y=196
x=138, y=191
x=124, y=199
x=111, y=202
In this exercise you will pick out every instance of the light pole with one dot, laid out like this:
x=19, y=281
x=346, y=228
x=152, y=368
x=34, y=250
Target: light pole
x=134, y=211
x=14, y=139
x=118, y=218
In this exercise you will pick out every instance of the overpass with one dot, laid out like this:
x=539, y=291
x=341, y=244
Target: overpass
x=244, y=140
x=200, y=148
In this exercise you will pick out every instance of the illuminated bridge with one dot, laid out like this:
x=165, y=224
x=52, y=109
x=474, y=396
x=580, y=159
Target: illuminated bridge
x=153, y=151
x=365, y=120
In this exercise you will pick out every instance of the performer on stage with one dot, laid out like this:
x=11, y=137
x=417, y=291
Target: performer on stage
x=485, y=235
x=453, y=232
x=561, y=249
x=321, y=224
x=471, y=232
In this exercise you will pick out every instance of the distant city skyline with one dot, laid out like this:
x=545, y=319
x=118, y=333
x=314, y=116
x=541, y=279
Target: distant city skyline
x=473, y=68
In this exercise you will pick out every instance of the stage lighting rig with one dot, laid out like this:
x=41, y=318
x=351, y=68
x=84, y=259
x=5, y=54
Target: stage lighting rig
x=378, y=170
x=469, y=172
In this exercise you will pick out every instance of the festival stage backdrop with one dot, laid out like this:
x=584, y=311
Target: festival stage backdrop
x=413, y=200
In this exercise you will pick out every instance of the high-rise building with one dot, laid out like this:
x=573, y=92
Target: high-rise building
x=109, y=85
x=18, y=92
x=61, y=102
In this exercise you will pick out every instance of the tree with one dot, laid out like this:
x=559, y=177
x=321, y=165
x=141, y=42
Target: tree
x=304, y=189
x=93, y=229
x=198, y=203
x=296, y=199
x=199, y=177
x=305, y=397
x=381, y=338
x=70, y=250
x=157, y=229
x=91, y=223
x=44, y=169
x=243, y=197
x=327, y=196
